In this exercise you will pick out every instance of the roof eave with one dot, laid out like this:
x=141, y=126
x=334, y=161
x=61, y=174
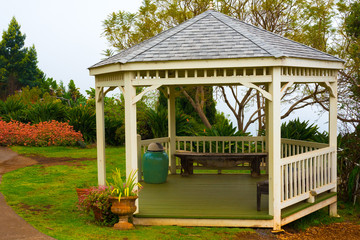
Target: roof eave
x=217, y=63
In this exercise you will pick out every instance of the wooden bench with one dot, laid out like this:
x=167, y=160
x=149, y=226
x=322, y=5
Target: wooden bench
x=219, y=161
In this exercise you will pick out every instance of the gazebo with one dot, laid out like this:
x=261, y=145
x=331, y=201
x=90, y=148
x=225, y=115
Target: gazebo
x=213, y=49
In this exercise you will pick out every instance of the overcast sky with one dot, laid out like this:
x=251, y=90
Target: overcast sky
x=66, y=34
x=67, y=37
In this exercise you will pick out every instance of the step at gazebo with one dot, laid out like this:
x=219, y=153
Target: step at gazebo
x=213, y=49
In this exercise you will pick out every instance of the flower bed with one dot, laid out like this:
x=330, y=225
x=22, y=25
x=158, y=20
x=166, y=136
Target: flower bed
x=52, y=133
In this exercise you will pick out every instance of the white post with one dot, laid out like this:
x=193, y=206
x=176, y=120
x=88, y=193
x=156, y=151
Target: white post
x=267, y=128
x=172, y=128
x=333, y=141
x=274, y=137
x=131, y=146
x=130, y=125
x=100, y=135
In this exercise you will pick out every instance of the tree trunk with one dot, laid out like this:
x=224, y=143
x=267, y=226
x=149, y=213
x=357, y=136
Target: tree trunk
x=198, y=105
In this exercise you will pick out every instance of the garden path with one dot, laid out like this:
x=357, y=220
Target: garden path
x=12, y=226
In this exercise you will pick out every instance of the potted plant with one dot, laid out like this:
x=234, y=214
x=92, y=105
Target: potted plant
x=123, y=197
x=82, y=190
x=98, y=201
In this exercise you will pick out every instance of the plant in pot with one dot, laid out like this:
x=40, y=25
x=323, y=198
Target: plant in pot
x=123, y=197
x=98, y=201
x=82, y=190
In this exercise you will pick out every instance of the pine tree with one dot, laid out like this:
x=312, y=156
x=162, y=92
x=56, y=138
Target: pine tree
x=18, y=64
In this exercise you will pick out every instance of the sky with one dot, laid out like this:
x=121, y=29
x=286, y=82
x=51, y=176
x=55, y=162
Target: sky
x=66, y=34
x=67, y=38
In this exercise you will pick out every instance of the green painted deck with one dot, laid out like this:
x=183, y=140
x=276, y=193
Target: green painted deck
x=210, y=196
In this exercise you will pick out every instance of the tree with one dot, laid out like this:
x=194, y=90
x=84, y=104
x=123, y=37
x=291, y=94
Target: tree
x=306, y=21
x=18, y=64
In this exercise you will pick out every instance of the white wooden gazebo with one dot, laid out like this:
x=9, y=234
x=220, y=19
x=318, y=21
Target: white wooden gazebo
x=213, y=49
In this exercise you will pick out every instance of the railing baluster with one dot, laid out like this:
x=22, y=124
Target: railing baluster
x=287, y=181
x=295, y=178
x=291, y=180
x=282, y=183
x=300, y=177
x=321, y=170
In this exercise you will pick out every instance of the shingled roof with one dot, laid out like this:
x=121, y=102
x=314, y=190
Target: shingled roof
x=213, y=35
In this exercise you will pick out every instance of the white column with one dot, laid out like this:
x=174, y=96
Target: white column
x=333, y=141
x=100, y=135
x=172, y=128
x=131, y=138
x=130, y=125
x=274, y=137
x=267, y=128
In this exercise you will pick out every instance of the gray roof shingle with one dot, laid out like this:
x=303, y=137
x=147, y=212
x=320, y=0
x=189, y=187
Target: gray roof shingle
x=213, y=35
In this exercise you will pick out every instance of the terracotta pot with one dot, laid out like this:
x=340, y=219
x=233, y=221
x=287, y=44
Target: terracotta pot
x=125, y=208
x=97, y=213
x=82, y=192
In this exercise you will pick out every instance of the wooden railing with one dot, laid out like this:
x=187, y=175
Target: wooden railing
x=144, y=144
x=205, y=144
x=305, y=175
x=290, y=147
x=222, y=144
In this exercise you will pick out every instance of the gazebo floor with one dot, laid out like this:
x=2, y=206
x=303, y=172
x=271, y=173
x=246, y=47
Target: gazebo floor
x=203, y=196
x=214, y=200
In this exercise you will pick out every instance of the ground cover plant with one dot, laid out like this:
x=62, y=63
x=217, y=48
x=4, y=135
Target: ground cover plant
x=52, y=133
x=45, y=197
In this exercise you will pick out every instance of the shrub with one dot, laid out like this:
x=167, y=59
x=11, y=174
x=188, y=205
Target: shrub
x=12, y=109
x=45, y=111
x=98, y=197
x=42, y=134
x=83, y=119
x=349, y=165
x=295, y=129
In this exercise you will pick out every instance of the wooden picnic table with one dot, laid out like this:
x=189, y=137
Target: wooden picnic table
x=219, y=160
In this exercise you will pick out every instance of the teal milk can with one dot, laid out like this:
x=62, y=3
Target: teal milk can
x=155, y=164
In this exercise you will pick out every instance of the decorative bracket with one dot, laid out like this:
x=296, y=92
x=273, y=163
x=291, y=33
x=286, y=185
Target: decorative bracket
x=100, y=96
x=140, y=95
x=109, y=90
x=266, y=94
x=285, y=87
x=122, y=89
x=330, y=88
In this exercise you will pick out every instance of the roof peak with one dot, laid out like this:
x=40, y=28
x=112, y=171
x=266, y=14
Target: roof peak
x=216, y=37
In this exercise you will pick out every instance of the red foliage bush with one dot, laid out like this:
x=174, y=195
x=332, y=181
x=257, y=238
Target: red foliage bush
x=42, y=134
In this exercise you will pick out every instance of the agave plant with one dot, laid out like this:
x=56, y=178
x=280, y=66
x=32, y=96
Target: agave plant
x=45, y=111
x=83, y=119
x=121, y=188
x=158, y=121
x=299, y=130
x=12, y=109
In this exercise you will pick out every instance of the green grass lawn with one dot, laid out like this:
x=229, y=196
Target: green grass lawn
x=46, y=198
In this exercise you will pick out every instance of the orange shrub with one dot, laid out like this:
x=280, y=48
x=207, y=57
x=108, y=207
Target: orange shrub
x=42, y=134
